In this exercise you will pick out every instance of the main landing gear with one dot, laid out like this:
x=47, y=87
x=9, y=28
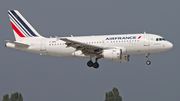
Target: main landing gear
x=91, y=64
x=147, y=57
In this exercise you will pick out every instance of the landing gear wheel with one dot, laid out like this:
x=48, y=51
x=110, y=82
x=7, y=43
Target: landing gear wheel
x=90, y=63
x=148, y=62
x=96, y=65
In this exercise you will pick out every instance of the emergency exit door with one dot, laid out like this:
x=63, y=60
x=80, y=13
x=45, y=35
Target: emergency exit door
x=146, y=40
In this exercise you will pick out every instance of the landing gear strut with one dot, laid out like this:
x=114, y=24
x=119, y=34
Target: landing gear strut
x=147, y=57
x=95, y=65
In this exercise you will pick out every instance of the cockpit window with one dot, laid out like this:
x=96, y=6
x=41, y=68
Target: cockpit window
x=160, y=39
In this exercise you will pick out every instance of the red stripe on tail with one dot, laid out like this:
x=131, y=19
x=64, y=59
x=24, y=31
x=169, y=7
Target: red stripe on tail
x=17, y=30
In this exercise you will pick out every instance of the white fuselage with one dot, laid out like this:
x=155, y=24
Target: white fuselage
x=134, y=44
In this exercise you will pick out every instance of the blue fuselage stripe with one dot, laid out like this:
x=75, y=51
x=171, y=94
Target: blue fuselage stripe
x=22, y=22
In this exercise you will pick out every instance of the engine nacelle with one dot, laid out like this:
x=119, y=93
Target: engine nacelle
x=116, y=55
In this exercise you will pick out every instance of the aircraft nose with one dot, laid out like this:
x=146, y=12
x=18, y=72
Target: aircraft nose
x=169, y=45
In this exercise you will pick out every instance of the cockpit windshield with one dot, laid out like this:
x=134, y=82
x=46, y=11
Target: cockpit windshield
x=160, y=39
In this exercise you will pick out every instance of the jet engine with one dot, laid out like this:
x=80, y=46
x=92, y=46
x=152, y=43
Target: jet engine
x=116, y=55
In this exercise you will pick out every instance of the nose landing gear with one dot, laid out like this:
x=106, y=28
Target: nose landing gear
x=147, y=57
x=148, y=62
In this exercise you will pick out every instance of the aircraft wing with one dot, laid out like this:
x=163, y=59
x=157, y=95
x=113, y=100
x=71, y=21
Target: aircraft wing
x=85, y=48
x=17, y=43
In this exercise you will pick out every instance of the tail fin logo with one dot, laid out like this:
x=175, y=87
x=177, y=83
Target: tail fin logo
x=16, y=16
x=17, y=30
x=21, y=26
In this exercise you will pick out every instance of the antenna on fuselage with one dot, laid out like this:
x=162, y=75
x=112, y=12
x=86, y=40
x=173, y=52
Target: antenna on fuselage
x=71, y=35
x=144, y=32
x=57, y=38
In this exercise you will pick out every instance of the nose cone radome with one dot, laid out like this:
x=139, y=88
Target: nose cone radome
x=169, y=45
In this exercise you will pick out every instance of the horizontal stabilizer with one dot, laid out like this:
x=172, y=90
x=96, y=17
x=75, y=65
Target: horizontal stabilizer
x=18, y=43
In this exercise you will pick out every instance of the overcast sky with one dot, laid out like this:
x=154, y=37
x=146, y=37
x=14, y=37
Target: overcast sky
x=44, y=78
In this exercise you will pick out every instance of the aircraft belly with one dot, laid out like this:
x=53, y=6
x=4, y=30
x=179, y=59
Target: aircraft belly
x=67, y=52
x=130, y=50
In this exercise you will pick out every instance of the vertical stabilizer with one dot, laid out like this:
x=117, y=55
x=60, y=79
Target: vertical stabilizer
x=21, y=28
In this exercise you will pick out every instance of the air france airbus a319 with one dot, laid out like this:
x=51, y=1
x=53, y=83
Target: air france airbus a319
x=117, y=48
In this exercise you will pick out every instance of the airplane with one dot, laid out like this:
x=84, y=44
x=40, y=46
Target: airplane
x=116, y=48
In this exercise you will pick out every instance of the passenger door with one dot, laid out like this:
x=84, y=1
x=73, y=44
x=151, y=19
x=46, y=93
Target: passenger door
x=146, y=40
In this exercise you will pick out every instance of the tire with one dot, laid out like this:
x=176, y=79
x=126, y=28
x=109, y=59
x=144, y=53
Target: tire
x=96, y=65
x=148, y=62
x=89, y=63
